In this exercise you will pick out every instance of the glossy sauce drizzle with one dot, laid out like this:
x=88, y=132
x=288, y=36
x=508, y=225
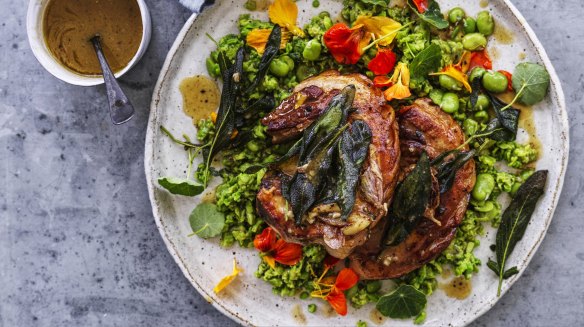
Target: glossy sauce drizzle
x=458, y=288
x=200, y=97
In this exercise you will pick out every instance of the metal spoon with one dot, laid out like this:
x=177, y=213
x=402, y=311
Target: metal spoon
x=121, y=110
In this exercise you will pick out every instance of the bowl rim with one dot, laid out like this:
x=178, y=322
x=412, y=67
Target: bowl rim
x=34, y=19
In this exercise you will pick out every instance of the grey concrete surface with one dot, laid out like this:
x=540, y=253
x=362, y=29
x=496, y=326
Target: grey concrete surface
x=78, y=244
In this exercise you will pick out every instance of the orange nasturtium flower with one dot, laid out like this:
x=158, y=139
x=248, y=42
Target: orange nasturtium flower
x=480, y=59
x=332, y=288
x=400, y=80
x=274, y=250
x=227, y=279
x=346, y=44
x=422, y=5
x=285, y=13
x=383, y=63
x=383, y=28
x=258, y=39
x=455, y=72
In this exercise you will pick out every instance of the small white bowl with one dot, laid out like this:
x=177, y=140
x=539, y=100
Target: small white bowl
x=34, y=28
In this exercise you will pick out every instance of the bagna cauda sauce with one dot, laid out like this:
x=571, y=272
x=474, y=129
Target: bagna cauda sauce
x=69, y=25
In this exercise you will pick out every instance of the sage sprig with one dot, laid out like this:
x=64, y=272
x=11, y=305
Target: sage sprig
x=514, y=223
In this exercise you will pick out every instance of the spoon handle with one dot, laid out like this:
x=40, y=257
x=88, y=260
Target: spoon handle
x=121, y=110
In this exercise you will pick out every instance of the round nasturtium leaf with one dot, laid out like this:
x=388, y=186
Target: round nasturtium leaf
x=404, y=302
x=206, y=221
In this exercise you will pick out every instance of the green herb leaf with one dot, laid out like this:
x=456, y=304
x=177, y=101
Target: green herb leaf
x=353, y=149
x=206, y=221
x=508, y=120
x=315, y=150
x=531, y=82
x=225, y=123
x=432, y=15
x=404, y=302
x=476, y=89
x=447, y=170
x=272, y=48
x=515, y=220
x=181, y=186
x=410, y=201
x=510, y=272
x=426, y=62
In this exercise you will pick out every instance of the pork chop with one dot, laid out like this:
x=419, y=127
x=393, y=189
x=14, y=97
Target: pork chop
x=378, y=173
x=422, y=127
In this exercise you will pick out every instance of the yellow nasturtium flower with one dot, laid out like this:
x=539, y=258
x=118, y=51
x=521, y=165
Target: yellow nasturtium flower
x=401, y=83
x=285, y=13
x=457, y=74
x=227, y=279
x=258, y=38
x=383, y=28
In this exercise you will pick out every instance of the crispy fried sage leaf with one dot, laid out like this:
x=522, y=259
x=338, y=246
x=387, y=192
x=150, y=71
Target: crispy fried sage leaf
x=432, y=15
x=447, y=170
x=272, y=48
x=225, y=123
x=514, y=223
x=410, y=201
x=315, y=150
x=476, y=90
x=181, y=186
x=352, y=149
x=508, y=119
x=404, y=302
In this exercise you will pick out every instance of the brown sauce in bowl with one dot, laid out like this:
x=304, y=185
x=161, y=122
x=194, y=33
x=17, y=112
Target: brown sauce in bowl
x=69, y=25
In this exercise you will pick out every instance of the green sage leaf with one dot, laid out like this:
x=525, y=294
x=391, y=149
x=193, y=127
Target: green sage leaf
x=404, y=302
x=353, y=149
x=270, y=52
x=206, y=220
x=181, y=186
x=515, y=220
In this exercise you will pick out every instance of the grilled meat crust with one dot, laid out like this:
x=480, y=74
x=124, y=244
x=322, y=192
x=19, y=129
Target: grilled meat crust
x=422, y=127
x=378, y=175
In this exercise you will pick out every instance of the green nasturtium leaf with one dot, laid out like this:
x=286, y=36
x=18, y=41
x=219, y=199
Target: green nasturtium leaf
x=432, y=15
x=426, y=62
x=206, y=221
x=181, y=186
x=404, y=302
x=531, y=82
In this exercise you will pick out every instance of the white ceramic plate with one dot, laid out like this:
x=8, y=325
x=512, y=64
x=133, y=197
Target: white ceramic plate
x=249, y=300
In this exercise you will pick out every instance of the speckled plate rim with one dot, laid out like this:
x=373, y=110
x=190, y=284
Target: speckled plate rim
x=213, y=299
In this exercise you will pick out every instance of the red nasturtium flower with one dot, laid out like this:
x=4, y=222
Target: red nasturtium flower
x=480, y=59
x=509, y=79
x=332, y=288
x=274, y=250
x=346, y=44
x=422, y=5
x=383, y=63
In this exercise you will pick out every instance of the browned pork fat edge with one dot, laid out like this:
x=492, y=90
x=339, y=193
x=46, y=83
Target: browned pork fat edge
x=378, y=174
x=422, y=127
